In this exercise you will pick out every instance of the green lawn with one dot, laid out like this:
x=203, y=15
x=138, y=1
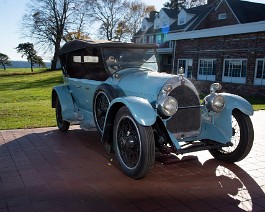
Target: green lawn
x=25, y=98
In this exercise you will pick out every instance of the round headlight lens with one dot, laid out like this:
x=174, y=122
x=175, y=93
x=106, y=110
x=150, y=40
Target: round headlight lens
x=218, y=103
x=169, y=106
x=215, y=102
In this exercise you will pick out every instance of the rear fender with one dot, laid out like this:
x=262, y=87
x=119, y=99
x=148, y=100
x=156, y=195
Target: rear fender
x=62, y=93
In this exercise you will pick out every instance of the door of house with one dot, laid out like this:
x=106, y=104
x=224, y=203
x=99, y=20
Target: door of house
x=260, y=72
x=186, y=64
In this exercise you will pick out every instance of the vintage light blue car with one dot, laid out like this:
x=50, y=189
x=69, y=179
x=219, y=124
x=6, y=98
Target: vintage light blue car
x=138, y=110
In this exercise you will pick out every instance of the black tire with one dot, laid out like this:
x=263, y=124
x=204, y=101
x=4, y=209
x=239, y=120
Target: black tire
x=102, y=98
x=134, y=145
x=242, y=139
x=62, y=124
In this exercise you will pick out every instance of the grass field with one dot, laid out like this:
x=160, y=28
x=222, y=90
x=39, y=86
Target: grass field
x=25, y=98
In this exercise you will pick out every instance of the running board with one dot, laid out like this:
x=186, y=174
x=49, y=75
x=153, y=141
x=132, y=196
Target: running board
x=200, y=146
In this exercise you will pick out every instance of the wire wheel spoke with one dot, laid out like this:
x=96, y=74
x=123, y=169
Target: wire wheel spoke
x=235, y=137
x=128, y=142
x=101, y=108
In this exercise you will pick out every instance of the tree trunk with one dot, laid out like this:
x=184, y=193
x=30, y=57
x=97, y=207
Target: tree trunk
x=31, y=65
x=55, y=55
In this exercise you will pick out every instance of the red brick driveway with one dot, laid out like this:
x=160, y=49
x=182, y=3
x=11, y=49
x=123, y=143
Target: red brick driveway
x=45, y=170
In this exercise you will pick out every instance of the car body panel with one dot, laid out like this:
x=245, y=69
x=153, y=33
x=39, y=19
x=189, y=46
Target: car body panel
x=141, y=109
x=139, y=89
x=66, y=100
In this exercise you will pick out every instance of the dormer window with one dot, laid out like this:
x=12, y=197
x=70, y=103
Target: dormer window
x=144, y=28
x=222, y=16
x=165, y=22
x=181, y=21
x=182, y=17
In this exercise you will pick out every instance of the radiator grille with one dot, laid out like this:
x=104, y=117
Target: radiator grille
x=188, y=116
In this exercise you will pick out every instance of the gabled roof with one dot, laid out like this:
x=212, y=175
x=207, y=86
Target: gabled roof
x=199, y=13
x=171, y=13
x=247, y=12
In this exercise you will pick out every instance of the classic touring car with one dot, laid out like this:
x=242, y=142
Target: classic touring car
x=138, y=110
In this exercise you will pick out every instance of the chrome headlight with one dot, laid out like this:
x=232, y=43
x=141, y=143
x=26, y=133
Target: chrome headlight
x=214, y=102
x=168, y=106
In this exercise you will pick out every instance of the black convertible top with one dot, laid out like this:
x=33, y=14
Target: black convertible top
x=81, y=44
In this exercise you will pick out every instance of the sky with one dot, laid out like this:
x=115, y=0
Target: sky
x=11, y=13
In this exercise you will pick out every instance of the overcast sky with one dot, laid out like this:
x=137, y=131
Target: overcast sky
x=11, y=12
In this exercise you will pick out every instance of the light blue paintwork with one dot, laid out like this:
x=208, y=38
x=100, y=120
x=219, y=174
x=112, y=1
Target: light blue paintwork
x=66, y=101
x=218, y=126
x=140, y=108
x=139, y=90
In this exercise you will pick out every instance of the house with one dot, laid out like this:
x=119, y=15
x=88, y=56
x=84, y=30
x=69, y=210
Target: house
x=221, y=41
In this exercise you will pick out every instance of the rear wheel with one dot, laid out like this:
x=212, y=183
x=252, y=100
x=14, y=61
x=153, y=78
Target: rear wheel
x=134, y=145
x=103, y=96
x=62, y=124
x=242, y=139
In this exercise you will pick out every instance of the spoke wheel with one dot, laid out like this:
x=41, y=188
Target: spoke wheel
x=133, y=144
x=101, y=106
x=62, y=124
x=242, y=139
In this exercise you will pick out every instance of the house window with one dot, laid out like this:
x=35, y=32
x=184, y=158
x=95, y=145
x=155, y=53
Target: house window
x=165, y=22
x=186, y=64
x=138, y=40
x=235, y=70
x=151, y=39
x=222, y=16
x=158, y=39
x=144, y=27
x=169, y=60
x=181, y=21
x=260, y=72
x=207, y=69
x=145, y=39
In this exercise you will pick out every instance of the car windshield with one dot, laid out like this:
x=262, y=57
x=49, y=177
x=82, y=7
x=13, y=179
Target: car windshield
x=121, y=58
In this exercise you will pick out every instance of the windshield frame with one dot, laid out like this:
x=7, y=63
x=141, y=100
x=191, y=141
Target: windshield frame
x=110, y=63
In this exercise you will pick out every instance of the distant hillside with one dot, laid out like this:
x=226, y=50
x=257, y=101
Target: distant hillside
x=24, y=64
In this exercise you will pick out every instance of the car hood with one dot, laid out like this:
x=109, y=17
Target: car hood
x=142, y=83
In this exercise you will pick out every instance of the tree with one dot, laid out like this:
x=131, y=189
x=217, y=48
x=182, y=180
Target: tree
x=108, y=13
x=133, y=20
x=47, y=21
x=39, y=61
x=194, y=3
x=175, y=4
x=27, y=49
x=80, y=20
x=4, y=60
x=118, y=19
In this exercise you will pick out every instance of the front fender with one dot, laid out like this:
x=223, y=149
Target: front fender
x=233, y=101
x=63, y=94
x=219, y=127
x=140, y=109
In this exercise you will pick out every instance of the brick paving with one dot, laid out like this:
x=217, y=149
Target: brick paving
x=45, y=170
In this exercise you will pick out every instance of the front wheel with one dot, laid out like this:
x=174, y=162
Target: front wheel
x=134, y=145
x=242, y=139
x=62, y=124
